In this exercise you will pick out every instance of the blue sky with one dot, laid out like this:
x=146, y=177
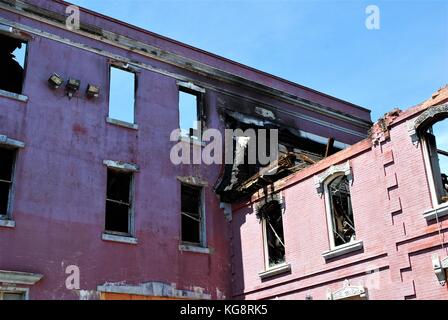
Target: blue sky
x=320, y=44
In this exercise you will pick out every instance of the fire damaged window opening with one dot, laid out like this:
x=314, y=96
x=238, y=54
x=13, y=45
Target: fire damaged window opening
x=12, y=64
x=122, y=93
x=296, y=151
x=12, y=295
x=190, y=113
x=342, y=222
x=192, y=222
x=274, y=242
x=119, y=203
x=437, y=150
x=7, y=162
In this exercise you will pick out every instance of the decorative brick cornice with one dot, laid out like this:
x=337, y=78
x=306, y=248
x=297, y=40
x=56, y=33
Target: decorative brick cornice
x=427, y=116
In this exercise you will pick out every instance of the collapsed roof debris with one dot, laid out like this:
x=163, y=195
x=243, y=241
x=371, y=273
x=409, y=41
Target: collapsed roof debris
x=296, y=151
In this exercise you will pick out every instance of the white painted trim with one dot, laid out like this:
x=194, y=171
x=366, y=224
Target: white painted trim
x=153, y=289
x=115, y=238
x=321, y=180
x=429, y=173
x=274, y=197
x=343, y=249
x=265, y=244
x=321, y=183
x=18, y=277
x=120, y=165
x=438, y=211
x=328, y=211
x=322, y=140
x=191, y=86
x=123, y=124
x=330, y=125
x=14, y=96
x=4, y=223
x=275, y=270
x=194, y=248
x=6, y=141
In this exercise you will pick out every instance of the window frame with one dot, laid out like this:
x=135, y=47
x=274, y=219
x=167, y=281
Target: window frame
x=12, y=185
x=14, y=33
x=131, y=207
x=199, y=93
x=330, y=211
x=127, y=68
x=321, y=183
x=416, y=129
x=202, y=213
x=436, y=198
x=264, y=225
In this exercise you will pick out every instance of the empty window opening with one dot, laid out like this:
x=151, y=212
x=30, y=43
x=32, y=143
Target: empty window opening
x=12, y=64
x=119, y=202
x=189, y=113
x=12, y=295
x=271, y=213
x=341, y=210
x=191, y=212
x=437, y=143
x=122, y=95
x=6, y=179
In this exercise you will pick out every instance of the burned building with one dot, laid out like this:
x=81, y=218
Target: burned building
x=93, y=207
x=368, y=222
x=87, y=183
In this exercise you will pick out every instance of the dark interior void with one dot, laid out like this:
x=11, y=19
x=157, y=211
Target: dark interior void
x=341, y=209
x=271, y=212
x=437, y=145
x=241, y=179
x=191, y=214
x=118, y=203
x=11, y=74
x=6, y=167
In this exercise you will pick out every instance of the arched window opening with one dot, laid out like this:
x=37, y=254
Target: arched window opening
x=271, y=213
x=436, y=139
x=341, y=210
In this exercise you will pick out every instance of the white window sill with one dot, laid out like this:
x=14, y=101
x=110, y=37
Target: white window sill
x=14, y=96
x=121, y=239
x=275, y=270
x=123, y=124
x=190, y=140
x=343, y=249
x=193, y=248
x=439, y=211
x=7, y=223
